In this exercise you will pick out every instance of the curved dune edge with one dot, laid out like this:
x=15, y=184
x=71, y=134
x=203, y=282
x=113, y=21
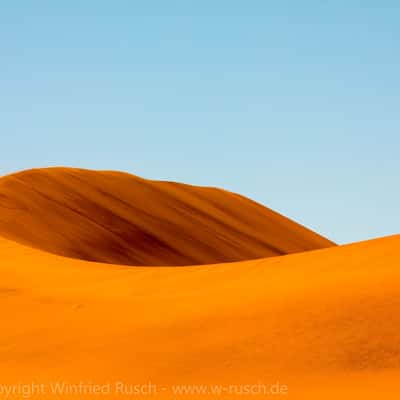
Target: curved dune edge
x=323, y=322
x=119, y=218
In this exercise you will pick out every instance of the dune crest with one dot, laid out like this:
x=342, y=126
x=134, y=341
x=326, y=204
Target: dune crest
x=119, y=218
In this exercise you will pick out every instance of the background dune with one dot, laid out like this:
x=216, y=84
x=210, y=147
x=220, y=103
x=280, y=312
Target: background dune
x=324, y=323
x=119, y=218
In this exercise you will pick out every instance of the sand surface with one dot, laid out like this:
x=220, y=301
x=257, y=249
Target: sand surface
x=325, y=323
x=117, y=218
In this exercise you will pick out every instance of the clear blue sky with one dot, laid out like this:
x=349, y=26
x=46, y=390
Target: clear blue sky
x=292, y=103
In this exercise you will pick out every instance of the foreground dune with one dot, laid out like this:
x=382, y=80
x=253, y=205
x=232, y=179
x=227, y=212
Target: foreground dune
x=119, y=218
x=323, y=323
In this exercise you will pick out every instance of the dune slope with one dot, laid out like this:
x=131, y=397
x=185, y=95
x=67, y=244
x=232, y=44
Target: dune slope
x=323, y=322
x=119, y=218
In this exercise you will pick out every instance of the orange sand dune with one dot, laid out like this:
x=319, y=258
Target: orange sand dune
x=323, y=323
x=119, y=218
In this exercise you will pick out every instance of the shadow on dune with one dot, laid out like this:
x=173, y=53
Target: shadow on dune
x=119, y=218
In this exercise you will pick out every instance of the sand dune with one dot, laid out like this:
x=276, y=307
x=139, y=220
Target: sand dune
x=323, y=322
x=119, y=218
